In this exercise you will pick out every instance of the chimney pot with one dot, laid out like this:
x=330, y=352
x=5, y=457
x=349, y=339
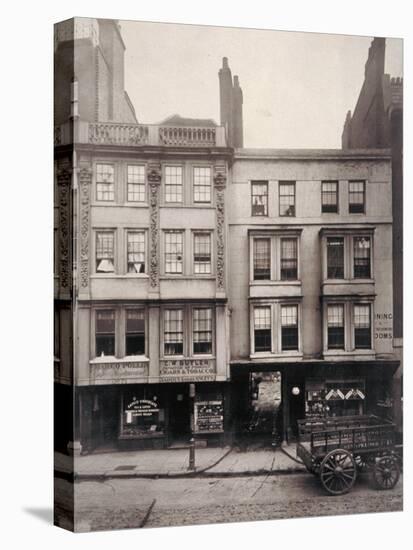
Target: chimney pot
x=225, y=62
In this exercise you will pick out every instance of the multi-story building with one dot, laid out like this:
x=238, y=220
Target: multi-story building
x=195, y=276
x=310, y=256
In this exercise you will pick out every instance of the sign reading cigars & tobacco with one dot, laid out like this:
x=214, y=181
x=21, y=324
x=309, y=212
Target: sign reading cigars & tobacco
x=182, y=370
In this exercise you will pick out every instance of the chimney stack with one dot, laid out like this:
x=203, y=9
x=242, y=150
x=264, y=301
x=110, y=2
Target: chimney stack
x=237, y=123
x=230, y=105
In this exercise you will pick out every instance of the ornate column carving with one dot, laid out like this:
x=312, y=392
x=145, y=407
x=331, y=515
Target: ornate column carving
x=64, y=178
x=85, y=181
x=220, y=180
x=154, y=180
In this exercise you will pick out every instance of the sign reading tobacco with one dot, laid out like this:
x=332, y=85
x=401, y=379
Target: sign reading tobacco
x=180, y=370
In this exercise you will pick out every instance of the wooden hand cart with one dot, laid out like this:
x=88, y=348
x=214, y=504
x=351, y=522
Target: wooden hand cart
x=336, y=449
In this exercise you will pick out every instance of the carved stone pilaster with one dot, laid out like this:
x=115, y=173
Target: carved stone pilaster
x=85, y=181
x=64, y=178
x=220, y=179
x=154, y=180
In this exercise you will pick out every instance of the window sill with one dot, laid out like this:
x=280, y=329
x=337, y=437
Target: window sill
x=347, y=281
x=121, y=204
x=272, y=282
x=345, y=353
x=120, y=276
x=282, y=355
x=113, y=359
x=209, y=277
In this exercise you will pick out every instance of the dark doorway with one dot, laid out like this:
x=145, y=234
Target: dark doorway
x=179, y=414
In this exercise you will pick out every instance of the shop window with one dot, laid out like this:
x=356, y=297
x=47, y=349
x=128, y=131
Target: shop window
x=136, y=252
x=357, y=197
x=136, y=183
x=202, y=184
x=287, y=198
x=173, y=184
x=335, y=326
x=142, y=415
x=135, y=332
x=335, y=258
x=259, y=198
x=289, y=328
x=329, y=197
x=202, y=253
x=105, y=252
x=173, y=332
x=289, y=260
x=202, y=330
x=361, y=257
x=262, y=259
x=105, y=182
x=262, y=329
x=105, y=332
x=362, y=326
x=174, y=246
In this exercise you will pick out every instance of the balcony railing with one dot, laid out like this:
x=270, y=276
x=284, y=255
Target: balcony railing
x=115, y=133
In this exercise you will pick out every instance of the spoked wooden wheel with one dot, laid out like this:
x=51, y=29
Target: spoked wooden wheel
x=338, y=472
x=386, y=472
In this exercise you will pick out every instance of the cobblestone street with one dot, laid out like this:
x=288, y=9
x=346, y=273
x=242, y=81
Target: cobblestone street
x=102, y=505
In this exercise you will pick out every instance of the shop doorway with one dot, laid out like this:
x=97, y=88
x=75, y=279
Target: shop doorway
x=179, y=416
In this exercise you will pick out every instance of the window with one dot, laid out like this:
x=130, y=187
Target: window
x=361, y=257
x=173, y=252
x=136, y=183
x=105, y=332
x=202, y=330
x=357, y=197
x=136, y=252
x=362, y=329
x=335, y=258
x=202, y=253
x=135, y=332
x=202, y=184
x=329, y=196
x=173, y=184
x=259, y=198
x=287, y=198
x=262, y=328
x=262, y=259
x=105, y=182
x=289, y=328
x=289, y=259
x=105, y=252
x=173, y=335
x=335, y=326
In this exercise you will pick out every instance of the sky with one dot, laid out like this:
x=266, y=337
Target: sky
x=297, y=87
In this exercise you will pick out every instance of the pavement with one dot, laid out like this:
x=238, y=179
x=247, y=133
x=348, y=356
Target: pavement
x=170, y=463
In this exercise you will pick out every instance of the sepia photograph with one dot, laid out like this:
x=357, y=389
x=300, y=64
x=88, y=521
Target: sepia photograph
x=228, y=274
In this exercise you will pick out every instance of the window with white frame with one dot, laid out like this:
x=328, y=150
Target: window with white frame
x=289, y=259
x=262, y=328
x=362, y=326
x=202, y=184
x=173, y=184
x=105, y=182
x=173, y=332
x=202, y=330
x=289, y=327
x=335, y=326
x=335, y=257
x=357, y=197
x=287, y=198
x=136, y=183
x=259, y=198
x=105, y=252
x=136, y=251
x=361, y=258
x=329, y=196
x=135, y=332
x=202, y=253
x=105, y=332
x=262, y=259
x=174, y=250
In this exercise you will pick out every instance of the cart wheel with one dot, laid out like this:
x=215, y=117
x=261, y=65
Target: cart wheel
x=386, y=472
x=338, y=472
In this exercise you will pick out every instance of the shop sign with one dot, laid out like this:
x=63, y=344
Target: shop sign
x=334, y=394
x=209, y=417
x=181, y=370
x=354, y=393
x=383, y=326
x=118, y=372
